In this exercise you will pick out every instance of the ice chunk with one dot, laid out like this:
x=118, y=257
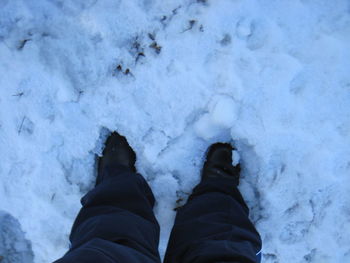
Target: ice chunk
x=235, y=157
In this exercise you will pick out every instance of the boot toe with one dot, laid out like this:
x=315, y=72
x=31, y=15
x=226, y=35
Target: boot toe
x=219, y=163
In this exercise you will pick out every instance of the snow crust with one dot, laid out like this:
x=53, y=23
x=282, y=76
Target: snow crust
x=271, y=77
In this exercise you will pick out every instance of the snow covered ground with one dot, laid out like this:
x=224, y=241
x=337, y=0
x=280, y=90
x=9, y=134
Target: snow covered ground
x=273, y=77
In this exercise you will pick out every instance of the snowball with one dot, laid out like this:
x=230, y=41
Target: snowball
x=225, y=112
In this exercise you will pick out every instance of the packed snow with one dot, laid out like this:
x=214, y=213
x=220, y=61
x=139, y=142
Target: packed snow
x=271, y=77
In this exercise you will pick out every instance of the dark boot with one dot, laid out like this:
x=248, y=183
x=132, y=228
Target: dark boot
x=219, y=163
x=116, y=153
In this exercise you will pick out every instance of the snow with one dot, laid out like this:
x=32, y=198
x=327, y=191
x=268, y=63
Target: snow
x=271, y=77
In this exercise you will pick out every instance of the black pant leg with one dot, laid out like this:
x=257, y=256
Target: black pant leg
x=214, y=227
x=116, y=223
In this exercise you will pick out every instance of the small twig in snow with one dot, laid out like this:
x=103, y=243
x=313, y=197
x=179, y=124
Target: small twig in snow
x=22, y=44
x=156, y=47
x=139, y=55
x=176, y=9
x=151, y=36
x=21, y=126
x=19, y=94
x=119, y=69
x=191, y=25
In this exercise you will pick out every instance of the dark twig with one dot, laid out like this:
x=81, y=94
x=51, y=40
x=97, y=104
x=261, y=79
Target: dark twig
x=156, y=47
x=176, y=10
x=19, y=94
x=151, y=36
x=191, y=25
x=139, y=55
x=21, y=126
x=23, y=43
x=119, y=69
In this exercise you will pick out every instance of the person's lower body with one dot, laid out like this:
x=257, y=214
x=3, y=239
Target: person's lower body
x=117, y=224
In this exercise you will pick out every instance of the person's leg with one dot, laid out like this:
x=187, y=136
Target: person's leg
x=116, y=223
x=214, y=226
